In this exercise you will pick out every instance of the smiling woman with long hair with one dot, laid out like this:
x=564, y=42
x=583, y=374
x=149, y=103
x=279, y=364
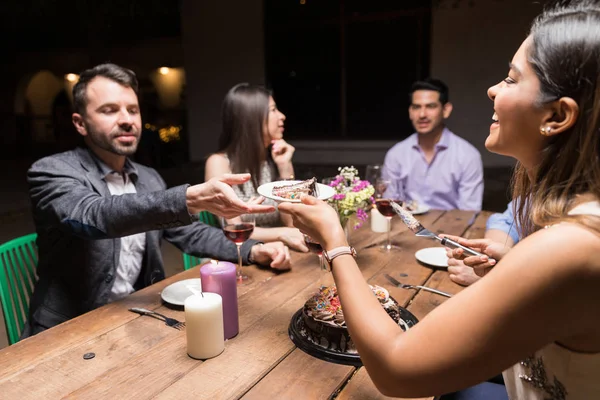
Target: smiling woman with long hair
x=534, y=315
x=252, y=141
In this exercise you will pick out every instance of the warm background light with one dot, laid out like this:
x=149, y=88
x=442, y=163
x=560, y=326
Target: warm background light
x=163, y=70
x=72, y=77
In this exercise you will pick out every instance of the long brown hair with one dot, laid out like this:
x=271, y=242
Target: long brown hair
x=565, y=55
x=244, y=113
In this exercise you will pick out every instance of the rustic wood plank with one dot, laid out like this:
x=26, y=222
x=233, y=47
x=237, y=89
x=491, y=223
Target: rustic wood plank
x=65, y=373
x=113, y=317
x=53, y=342
x=361, y=387
x=477, y=230
x=266, y=295
x=247, y=358
x=294, y=378
x=373, y=264
x=144, y=376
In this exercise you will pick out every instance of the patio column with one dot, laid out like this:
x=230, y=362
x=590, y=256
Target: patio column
x=223, y=44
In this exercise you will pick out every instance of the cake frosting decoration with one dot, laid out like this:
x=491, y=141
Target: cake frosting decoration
x=324, y=322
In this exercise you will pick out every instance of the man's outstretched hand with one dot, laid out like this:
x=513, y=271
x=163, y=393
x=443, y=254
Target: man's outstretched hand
x=217, y=197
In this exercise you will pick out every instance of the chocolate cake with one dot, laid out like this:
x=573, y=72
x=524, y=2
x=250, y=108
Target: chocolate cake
x=324, y=322
x=295, y=190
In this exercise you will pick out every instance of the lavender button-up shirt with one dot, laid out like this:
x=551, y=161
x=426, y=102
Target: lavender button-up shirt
x=453, y=179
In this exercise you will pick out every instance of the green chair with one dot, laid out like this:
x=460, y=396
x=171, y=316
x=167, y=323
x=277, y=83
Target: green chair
x=190, y=261
x=18, y=261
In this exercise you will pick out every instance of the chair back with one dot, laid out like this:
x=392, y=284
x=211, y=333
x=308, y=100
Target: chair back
x=18, y=262
x=190, y=261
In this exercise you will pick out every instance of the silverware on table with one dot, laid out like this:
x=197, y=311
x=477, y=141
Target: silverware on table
x=172, y=322
x=397, y=283
x=414, y=225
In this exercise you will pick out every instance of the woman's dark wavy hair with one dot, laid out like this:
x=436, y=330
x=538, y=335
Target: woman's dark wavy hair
x=565, y=55
x=244, y=113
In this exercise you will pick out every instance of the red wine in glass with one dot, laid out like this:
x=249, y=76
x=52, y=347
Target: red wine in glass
x=238, y=233
x=384, y=206
x=313, y=246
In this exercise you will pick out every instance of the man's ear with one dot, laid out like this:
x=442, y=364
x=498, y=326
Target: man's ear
x=447, y=110
x=79, y=124
x=562, y=115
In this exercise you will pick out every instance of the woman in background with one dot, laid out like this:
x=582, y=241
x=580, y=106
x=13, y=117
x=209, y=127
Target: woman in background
x=252, y=141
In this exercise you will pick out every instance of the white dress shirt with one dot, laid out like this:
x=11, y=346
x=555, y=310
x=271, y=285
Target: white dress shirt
x=132, y=247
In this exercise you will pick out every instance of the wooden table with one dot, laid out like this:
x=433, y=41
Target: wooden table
x=139, y=357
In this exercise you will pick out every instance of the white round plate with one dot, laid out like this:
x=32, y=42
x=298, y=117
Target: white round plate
x=421, y=209
x=177, y=292
x=266, y=190
x=435, y=256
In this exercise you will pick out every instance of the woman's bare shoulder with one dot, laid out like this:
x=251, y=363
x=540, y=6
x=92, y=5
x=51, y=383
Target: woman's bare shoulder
x=567, y=246
x=217, y=165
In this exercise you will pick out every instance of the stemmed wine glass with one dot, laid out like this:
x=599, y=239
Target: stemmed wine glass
x=384, y=206
x=373, y=173
x=238, y=230
x=315, y=247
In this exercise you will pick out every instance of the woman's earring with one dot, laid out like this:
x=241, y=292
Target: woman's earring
x=546, y=131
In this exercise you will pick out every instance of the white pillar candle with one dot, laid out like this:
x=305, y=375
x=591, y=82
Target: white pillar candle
x=204, y=325
x=378, y=221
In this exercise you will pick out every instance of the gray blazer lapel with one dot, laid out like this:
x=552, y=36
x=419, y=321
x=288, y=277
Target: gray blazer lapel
x=92, y=171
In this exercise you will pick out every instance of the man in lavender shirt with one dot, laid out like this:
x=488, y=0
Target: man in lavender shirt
x=434, y=166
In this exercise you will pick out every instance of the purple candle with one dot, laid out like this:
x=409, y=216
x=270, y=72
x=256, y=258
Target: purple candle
x=219, y=277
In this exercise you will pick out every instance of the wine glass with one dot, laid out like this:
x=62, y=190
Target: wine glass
x=238, y=230
x=373, y=173
x=384, y=206
x=315, y=247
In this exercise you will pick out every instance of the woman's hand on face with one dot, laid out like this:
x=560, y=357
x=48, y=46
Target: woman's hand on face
x=318, y=220
x=281, y=151
x=217, y=196
x=493, y=251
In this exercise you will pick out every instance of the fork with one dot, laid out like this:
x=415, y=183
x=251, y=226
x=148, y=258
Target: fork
x=397, y=283
x=172, y=322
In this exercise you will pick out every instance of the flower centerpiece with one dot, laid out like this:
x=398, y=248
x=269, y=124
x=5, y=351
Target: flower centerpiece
x=352, y=196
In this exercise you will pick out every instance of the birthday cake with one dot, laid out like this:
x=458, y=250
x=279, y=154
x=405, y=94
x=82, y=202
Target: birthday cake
x=295, y=190
x=324, y=322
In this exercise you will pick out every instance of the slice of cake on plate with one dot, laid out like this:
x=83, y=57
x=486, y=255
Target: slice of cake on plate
x=293, y=191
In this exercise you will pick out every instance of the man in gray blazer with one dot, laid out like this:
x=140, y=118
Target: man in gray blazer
x=100, y=217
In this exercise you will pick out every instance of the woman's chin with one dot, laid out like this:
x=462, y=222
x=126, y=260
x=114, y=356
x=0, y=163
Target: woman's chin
x=490, y=142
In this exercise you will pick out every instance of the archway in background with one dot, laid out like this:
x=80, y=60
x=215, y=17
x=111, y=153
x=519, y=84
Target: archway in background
x=41, y=91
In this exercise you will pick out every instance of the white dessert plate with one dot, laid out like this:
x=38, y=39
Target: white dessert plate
x=266, y=190
x=177, y=292
x=421, y=209
x=434, y=256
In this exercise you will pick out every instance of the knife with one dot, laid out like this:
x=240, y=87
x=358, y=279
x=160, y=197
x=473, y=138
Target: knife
x=414, y=225
x=396, y=283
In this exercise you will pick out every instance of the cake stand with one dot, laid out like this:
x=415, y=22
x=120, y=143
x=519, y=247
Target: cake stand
x=298, y=334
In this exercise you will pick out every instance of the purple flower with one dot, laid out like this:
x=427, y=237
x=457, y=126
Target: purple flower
x=361, y=214
x=336, y=182
x=339, y=196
